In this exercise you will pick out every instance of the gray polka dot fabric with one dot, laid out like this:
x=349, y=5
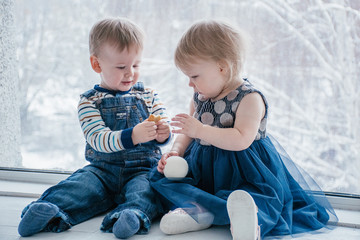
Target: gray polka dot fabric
x=222, y=112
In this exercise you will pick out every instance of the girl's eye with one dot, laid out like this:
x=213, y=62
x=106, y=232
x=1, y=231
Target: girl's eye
x=193, y=77
x=121, y=67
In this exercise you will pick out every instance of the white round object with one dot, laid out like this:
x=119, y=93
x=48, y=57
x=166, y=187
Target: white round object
x=175, y=167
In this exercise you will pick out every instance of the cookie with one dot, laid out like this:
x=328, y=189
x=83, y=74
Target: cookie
x=154, y=118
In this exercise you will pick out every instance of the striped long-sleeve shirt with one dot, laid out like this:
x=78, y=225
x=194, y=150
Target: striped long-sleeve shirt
x=99, y=136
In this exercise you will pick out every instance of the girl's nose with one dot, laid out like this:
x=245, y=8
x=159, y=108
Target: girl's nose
x=191, y=84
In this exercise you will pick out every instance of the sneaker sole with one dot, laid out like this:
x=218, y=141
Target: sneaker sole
x=170, y=224
x=242, y=212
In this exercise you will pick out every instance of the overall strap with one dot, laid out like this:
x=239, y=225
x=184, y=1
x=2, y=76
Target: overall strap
x=88, y=93
x=139, y=86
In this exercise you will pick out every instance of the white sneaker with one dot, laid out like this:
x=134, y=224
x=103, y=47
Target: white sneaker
x=179, y=221
x=242, y=212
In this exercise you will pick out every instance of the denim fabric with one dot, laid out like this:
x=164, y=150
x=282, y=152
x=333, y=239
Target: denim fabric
x=116, y=180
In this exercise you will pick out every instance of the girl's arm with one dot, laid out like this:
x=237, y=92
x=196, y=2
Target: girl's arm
x=179, y=146
x=248, y=117
x=182, y=141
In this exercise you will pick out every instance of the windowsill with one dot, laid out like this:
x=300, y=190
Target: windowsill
x=347, y=218
x=33, y=184
x=22, y=189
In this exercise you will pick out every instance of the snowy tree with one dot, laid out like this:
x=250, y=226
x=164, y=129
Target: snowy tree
x=305, y=58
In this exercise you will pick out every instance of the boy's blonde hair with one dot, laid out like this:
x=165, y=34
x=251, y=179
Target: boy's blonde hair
x=215, y=40
x=119, y=32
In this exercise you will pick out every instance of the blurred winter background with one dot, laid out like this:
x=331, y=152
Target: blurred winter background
x=305, y=58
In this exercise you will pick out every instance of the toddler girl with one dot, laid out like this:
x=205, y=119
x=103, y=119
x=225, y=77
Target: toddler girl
x=236, y=174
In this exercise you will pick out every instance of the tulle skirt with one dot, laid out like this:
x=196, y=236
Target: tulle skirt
x=288, y=200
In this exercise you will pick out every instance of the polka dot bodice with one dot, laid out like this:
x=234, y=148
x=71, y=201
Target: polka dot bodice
x=221, y=113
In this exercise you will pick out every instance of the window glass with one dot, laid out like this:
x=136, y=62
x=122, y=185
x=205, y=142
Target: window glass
x=305, y=58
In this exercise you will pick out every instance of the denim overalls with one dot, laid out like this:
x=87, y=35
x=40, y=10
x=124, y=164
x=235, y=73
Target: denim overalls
x=118, y=179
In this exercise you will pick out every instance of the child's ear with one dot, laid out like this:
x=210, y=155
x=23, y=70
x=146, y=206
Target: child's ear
x=95, y=64
x=223, y=66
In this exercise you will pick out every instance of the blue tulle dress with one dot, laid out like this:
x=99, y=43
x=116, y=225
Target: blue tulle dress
x=288, y=200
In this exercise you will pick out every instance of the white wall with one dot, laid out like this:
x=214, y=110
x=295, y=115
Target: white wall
x=9, y=104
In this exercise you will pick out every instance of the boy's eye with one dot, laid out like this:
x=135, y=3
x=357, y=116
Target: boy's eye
x=193, y=77
x=122, y=67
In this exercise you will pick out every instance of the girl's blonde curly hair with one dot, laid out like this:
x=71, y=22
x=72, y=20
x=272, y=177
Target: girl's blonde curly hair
x=215, y=40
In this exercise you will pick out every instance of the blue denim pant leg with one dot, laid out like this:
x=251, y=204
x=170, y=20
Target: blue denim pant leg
x=137, y=195
x=79, y=197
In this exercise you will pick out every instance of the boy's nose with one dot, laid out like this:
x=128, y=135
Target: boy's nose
x=130, y=72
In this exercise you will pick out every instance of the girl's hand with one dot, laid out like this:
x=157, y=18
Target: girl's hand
x=162, y=161
x=187, y=125
x=163, y=131
x=144, y=132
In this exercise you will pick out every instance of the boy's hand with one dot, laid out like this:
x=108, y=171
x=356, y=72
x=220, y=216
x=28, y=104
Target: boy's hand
x=144, y=132
x=163, y=131
x=162, y=161
x=186, y=125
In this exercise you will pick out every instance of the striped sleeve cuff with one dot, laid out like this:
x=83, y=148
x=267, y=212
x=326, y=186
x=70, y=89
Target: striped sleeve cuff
x=126, y=138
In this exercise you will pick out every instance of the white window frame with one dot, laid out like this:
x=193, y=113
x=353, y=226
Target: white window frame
x=338, y=200
x=47, y=177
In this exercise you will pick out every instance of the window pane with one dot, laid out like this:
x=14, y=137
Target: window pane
x=305, y=58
